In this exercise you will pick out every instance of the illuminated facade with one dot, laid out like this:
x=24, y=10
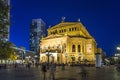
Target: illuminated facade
x=68, y=42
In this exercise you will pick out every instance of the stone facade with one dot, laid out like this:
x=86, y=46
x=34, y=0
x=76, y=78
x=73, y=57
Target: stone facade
x=68, y=42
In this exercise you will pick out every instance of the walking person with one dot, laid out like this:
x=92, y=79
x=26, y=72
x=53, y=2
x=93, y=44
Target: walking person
x=44, y=70
x=36, y=64
x=29, y=66
x=118, y=67
x=15, y=65
x=52, y=71
x=63, y=66
x=83, y=72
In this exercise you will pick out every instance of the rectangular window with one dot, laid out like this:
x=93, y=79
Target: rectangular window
x=64, y=30
x=72, y=29
x=73, y=48
x=59, y=31
x=75, y=28
x=79, y=48
x=69, y=29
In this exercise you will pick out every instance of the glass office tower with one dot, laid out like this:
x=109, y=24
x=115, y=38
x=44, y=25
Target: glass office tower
x=37, y=31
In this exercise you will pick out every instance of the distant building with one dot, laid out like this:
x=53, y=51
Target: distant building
x=23, y=55
x=68, y=42
x=37, y=31
x=7, y=1
x=7, y=29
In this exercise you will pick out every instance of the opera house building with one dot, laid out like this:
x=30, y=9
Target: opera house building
x=68, y=42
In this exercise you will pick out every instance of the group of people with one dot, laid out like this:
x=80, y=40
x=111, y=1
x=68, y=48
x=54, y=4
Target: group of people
x=26, y=65
x=118, y=66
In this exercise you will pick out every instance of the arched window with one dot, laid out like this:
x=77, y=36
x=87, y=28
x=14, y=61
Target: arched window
x=73, y=48
x=69, y=29
x=64, y=30
x=79, y=48
x=75, y=28
x=59, y=31
x=82, y=48
x=72, y=29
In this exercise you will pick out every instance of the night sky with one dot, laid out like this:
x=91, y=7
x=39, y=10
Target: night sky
x=100, y=17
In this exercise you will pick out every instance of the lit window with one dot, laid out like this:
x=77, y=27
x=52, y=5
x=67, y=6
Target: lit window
x=83, y=48
x=79, y=48
x=73, y=48
x=72, y=29
x=64, y=30
x=69, y=29
x=59, y=31
x=75, y=28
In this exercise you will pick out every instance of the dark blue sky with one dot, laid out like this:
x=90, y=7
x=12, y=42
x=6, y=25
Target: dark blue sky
x=101, y=18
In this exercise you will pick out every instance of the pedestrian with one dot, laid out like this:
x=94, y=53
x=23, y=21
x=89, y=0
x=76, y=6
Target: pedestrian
x=83, y=73
x=52, y=71
x=36, y=64
x=15, y=65
x=63, y=66
x=29, y=65
x=118, y=67
x=44, y=70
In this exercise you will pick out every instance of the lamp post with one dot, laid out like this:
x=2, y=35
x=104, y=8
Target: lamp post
x=72, y=57
x=66, y=57
x=48, y=55
x=118, y=52
x=52, y=58
x=118, y=48
x=36, y=57
x=80, y=58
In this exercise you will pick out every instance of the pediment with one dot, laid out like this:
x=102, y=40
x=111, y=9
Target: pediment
x=53, y=36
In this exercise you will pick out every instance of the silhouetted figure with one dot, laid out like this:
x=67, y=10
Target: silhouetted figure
x=83, y=72
x=36, y=64
x=44, y=70
x=63, y=66
x=29, y=65
x=52, y=71
x=118, y=67
x=15, y=65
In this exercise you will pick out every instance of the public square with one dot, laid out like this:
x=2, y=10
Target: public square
x=70, y=73
x=59, y=40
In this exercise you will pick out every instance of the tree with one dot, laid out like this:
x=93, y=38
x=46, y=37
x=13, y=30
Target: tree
x=13, y=57
x=5, y=46
x=4, y=19
x=5, y=50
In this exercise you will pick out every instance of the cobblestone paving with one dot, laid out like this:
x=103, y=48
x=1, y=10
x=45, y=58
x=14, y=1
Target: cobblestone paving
x=70, y=73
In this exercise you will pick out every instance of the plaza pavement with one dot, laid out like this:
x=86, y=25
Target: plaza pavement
x=70, y=73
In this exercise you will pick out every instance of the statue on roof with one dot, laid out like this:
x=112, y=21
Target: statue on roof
x=63, y=19
x=78, y=19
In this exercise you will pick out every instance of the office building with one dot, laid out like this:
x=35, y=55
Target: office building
x=4, y=35
x=37, y=31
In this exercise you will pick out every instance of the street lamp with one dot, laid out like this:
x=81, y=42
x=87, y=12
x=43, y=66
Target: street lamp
x=52, y=58
x=118, y=48
x=36, y=57
x=73, y=58
x=66, y=57
x=118, y=52
x=79, y=58
x=48, y=55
